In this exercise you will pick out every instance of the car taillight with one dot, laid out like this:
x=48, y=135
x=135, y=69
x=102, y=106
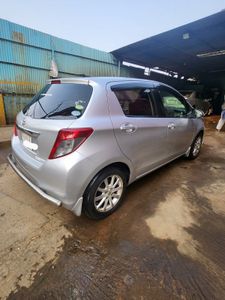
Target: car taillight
x=68, y=140
x=15, y=130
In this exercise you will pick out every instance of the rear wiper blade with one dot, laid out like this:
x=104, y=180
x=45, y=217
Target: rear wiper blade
x=52, y=112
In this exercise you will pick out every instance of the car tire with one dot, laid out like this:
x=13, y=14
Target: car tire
x=195, y=147
x=104, y=194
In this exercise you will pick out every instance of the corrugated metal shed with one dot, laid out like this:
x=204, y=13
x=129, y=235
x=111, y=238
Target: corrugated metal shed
x=25, y=60
x=194, y=49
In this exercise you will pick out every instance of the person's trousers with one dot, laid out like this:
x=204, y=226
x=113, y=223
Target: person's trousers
x=220, y=124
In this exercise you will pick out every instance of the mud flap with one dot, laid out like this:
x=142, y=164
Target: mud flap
x=188, y=152
x=77, y=208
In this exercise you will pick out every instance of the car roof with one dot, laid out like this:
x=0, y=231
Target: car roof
x=103, y=81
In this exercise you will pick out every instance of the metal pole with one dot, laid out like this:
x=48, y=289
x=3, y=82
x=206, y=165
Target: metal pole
x=119, y=65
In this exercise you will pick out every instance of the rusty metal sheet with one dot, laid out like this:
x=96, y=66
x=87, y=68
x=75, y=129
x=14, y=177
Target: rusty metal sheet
x=25, y=60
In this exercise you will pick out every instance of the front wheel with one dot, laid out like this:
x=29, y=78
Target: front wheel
x=104, y=194
x=195, y=147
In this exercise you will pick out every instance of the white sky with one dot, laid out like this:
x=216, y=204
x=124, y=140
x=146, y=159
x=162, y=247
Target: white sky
x=106, y=25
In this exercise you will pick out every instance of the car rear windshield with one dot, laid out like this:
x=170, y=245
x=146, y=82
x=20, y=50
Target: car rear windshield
x=59, y=101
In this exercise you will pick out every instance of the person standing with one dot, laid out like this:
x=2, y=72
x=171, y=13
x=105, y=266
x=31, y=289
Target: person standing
x=222, y=118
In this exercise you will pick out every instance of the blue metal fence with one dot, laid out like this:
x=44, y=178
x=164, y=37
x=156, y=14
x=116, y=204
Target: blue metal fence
x=25, y=60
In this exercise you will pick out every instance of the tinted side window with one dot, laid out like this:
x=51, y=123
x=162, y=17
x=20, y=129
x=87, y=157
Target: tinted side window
x=173, y=107
x=65, y=100
x=136, y=102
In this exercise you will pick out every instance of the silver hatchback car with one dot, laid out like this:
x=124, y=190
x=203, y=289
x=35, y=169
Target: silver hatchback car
x=81, y=141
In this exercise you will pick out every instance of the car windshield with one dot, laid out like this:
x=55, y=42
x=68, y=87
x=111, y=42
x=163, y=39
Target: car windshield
x=59, y=101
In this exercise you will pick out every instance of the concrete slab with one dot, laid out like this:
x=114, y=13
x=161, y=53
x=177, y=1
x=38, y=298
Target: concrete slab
x=16, y=222
x=5, y=133
x=30, y=234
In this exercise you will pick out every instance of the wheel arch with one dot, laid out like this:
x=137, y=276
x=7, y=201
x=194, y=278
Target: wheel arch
x=119, y=165
x=122, y=167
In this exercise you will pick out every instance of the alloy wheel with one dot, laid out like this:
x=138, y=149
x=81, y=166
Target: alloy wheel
x=108, y=193
x=197, y=146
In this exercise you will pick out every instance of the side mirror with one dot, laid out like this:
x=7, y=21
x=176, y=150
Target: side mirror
x=199, y=113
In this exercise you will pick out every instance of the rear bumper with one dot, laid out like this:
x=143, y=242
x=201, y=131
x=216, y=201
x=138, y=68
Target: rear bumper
x=13, y=163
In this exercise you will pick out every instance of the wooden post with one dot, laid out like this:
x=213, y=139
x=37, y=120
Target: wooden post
x=2, y=111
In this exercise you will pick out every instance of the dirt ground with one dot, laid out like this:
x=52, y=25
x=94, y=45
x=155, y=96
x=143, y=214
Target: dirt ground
x=166, y=241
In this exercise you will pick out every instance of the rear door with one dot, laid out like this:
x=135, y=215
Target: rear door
x=140, y=135
x=55, y=107
x=176, y=113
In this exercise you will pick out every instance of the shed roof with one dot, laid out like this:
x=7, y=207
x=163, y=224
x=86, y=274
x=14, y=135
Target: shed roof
x=189, y=50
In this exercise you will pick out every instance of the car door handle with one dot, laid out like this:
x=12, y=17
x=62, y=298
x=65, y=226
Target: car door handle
x=128, y=128
x=171, y=126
